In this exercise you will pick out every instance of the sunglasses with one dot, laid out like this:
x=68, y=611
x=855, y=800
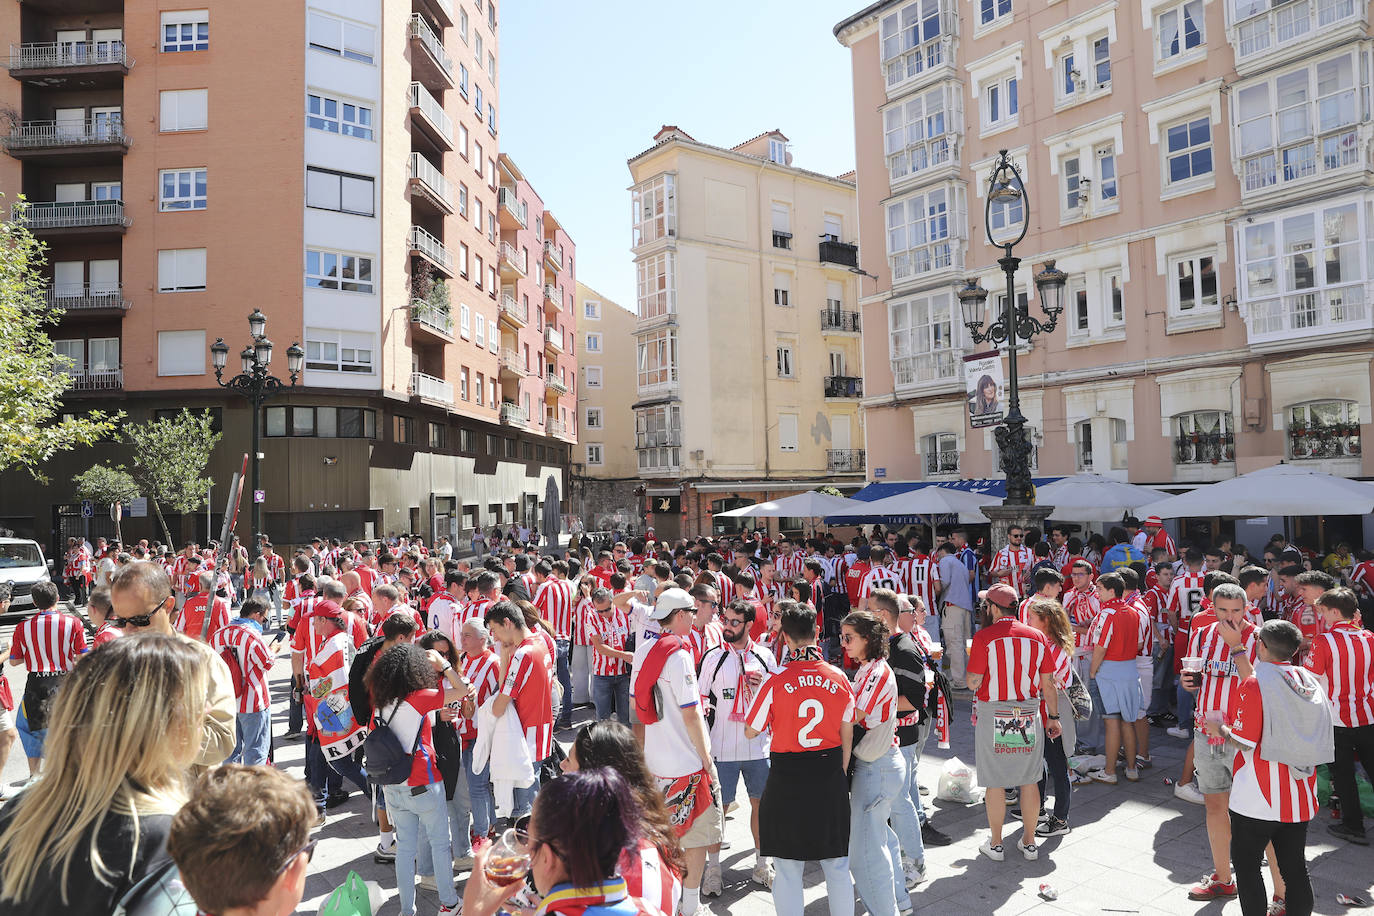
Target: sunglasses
x=731, y=622
x=848, y=638
x=308, y=850
x=710, y=604
x=139, y=621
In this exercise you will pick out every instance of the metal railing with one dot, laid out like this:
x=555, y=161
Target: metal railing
x=81, y=298
x=432, y=111
x=511, y=362
x=426, y=314
x=429, y=388
x=96, y=379
x=556, y=383
x=88, y=132
x=509, y=255
x=508, y=200
x=510, y=306
x=48, y=54
x=554, y=336
x=845, y=460
x=553, y=253
x=835, y=252
x=514, y=413
x=430, y=247
x=556, y=427
x=75, y=214
x=552, y=294
x=844, y=386
x=421, y=30
x=839, y=320
x=433, y=179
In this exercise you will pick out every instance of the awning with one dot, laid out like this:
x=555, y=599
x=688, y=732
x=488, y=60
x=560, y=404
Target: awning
x=994, y=488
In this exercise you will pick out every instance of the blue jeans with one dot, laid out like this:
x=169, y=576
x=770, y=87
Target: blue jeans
x=478, y=786
x=254, y=738
x=565, y=680
x=32, y=741
x=875, y=855
x=460, y=843
x=755, y=773
x=906, y=818
x=1163, y=683
x=408, y=813
x=524, y=798
x=787, y=886
x=325, y=776
x=612, y=691
x=1187, y=704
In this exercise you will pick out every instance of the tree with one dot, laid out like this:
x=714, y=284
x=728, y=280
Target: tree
x=107, y=486
x=32, y=379
x=170, y=454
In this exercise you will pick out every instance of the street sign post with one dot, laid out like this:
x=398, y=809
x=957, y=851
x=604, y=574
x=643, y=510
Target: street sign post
x=87, y=509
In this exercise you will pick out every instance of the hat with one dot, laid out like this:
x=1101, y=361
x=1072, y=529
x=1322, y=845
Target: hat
x=1004, y=596
x=328, y=609
x=1153, y=522
x=863, y=551
x=672, y=599
x=1131, y=521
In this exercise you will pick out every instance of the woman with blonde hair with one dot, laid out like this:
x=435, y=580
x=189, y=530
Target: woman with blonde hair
x=1049, y=617
x=125, y=728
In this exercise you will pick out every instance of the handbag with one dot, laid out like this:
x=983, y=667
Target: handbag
x=1080, y=698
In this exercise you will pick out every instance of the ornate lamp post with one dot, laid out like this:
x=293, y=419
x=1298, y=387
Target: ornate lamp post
x=254, y=384
x=1014, y=325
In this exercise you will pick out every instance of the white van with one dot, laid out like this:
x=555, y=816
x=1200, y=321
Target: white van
x=21, y=566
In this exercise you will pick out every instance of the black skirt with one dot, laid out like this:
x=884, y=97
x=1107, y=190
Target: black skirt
x=804, y=812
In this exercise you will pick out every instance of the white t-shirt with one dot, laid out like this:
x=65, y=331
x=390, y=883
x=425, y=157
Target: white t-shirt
x=645, y=632
x=719, y=680
x=668, y=750
x=104, y=571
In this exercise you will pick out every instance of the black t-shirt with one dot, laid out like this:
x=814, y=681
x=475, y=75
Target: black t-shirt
x=908, y=664
x=86, y=894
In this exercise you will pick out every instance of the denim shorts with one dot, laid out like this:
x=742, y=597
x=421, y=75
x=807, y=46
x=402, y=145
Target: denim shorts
x=1211, y=763
x=755, y=778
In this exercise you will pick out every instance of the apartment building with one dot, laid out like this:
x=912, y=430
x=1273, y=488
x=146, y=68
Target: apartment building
x=1203, y=174
x=605, y=480
x=748, y=368
x=339, y=171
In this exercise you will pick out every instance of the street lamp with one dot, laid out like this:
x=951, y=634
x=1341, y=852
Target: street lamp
x=255, y=385
x=1006, y=189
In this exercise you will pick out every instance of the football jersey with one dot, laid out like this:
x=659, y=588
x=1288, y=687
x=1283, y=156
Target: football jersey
x=1083, y=608
x=1220, y=676
x=1011, y=657
x=879, y=577
x=1117, y=629
x=1019, y=560
x=528, y=685
x=1344, y=656
x=613, y=627
x=921, y=580
x=804, y=705
x=1260, y=788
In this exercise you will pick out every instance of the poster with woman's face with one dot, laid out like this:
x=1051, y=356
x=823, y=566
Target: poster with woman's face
x=986, y=389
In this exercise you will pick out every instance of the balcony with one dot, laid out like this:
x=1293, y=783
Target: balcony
x=429, y=388
x=88, y=300
x=935, y=370
x=513, y=212
x=553, y=297
x=511, y=266
x=427, y=321
x=659, y=438
x=431, y=249
x=512, y=311
x=843, y=386
x=1310, y=161
x=429, y=62
x=511, y=365
x=70, y=64
x=839, y=321
x=1296, y=319
x=429, y=117
x=95, y=379
x=440, y=10
x=833, y=251
x=553, y=340
x=556, y=427
x=77, y=217
x=75, y=142
x=512, y=414
x=428, y=185
x=553, y=256
x=554, y=385
x=1258, y=39
x=845, y=460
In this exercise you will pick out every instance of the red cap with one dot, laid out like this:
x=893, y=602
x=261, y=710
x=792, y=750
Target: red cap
x=1153, y=522
x=328, y=609
x=1004, y=596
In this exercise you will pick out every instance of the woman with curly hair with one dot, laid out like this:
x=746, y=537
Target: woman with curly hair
x=403, y=683
x=1049, y=617
x=653, y=871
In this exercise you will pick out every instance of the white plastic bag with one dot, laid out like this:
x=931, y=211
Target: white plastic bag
x=958, y=783
x=1086, y=763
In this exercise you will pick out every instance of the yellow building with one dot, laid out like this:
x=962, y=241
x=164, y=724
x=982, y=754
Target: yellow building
x=748, y=369
x=605, y=477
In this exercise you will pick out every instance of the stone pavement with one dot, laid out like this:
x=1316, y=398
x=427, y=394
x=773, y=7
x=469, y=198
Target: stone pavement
x=1134, y=848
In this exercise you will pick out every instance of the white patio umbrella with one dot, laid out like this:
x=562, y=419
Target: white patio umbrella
x=811, y=504
x=928, y=501
x=1094, y=498
x=1284, y=489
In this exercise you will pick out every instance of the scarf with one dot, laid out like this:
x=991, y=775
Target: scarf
x=645, y=683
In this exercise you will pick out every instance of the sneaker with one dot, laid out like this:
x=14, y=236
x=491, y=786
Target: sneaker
x=1189, y=792
x=1016, y=813
x=463, y=863
x=914, y=874
x=1211, y=887
x=762, y=874
x=384, y=853
x=1029, y=850
x=428, y=883
x=1103, y=776
x=711, y=885
x=455, y=910
x=1277, y=907
x=1132, y=774
x=336, y=799
x=994, y=853
x=1052, y=827
x=319, y=821
x=1350, y=834
x=930, y=836
x=924, y=790
x=1079, y=779
x=1176, y=732
x=1143, y=763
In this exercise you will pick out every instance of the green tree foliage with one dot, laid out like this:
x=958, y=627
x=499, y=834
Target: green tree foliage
x=170, y=455
x=106, y=486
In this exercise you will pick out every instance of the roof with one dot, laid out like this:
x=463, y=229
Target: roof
x=859, y=16
x=682, y=136
x=766, y=133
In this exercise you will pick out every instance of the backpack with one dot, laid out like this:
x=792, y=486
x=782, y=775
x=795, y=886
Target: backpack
x=231, y=661
x=386, y=761
x=710, y=715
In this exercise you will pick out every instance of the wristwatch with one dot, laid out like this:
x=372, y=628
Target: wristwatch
x=1048, y=716
x=1239, y=650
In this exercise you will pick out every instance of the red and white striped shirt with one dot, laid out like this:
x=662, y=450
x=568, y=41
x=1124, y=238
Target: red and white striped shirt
x=476, y=610
x=1260, y=788
x=1220, y=677
x=555, y=600
x=789, y=566
x=875, y=695
x=879, y=577
x=921, y=579
x=191, y=620
x=528, y=684
x=276, y=566
x=614, y=629
x=648, y=878
x=580, y=635
x=1344, y=656
x=49, y=642
x=704, y=639
x=255, y=662
x=1083, y=608
x=106, y=632
x=1362, y=578
x=725, y=589
x=480, y=671
x=1147, y=630
x=1117, y=629
x=1011, y=657
x=1186, y=595
x=1019, y=560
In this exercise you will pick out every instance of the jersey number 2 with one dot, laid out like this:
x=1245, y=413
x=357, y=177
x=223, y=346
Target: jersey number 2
x=811, y=711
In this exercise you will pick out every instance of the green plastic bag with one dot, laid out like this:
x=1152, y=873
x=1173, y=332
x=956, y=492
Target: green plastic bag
x=1324, y=790
x=348, y=899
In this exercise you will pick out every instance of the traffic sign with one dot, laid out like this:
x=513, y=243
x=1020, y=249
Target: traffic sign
x=259, y=496
x=87, y=509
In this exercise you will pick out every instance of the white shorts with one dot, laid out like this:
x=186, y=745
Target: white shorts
x=6, y=720
x=1145, y=667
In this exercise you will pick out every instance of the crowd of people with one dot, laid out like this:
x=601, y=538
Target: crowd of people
x=811, y=671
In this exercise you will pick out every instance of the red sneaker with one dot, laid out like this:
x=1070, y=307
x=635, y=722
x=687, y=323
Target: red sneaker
x=1277, y=907
x=1211, y=888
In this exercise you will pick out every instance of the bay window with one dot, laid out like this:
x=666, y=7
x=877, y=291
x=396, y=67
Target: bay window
x=654, y=213
x=919, y=232
x=919, y=132
x=921, y=339
x=913, y=39
x=657, y=291
x=1262, y=25
x=657, y=358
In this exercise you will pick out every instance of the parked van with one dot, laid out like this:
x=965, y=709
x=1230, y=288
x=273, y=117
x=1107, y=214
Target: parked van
x=21, y=566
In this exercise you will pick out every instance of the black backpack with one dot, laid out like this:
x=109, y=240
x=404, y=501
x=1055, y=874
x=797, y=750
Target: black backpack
x=387, y=762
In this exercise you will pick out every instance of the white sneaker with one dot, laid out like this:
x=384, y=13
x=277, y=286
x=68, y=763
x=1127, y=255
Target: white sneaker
x=1189, y=792
x=1132, y=775
x=1029, y=850
x=763, y=873
x=914, y=874
x=1103, y=777
x=428, y=883
x=455, y=910
x=1176, y=732
x=711, y=884
x=995, y=853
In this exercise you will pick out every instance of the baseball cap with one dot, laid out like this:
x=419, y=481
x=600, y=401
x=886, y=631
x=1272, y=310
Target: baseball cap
x=672, y=599
x=1004, y=596
x=329, y=609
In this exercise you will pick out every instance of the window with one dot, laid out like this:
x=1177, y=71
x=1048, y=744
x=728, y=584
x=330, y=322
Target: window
x=350, y=273
x=338, y=116
x=1102, y=62
x=911, y=39
x=1074, y=195
x=477, y=275
x=467, y=444
x=918, y=233
x=1078, y=300
x=477, y=212
x=274, y=421
x=782, y=285
x=989, y=11
x=183, y=109
x=1007, y=216
x=657, y=358
x=1303, y=271
x=918, y=133
x=1106, y=176
x=782, y=226
x=405, y=430
x=463, y=383
x=180, y=270
x=593, y=418
x=491, y=72
x=1033, y=438
x=477, y=103
x=463, y=88
x=480, y=332
x=71, y=356
x=777, y=151
x=1260, y=25
x=491, y=120
x=1180, y=29
x=1084, y=435
x=1000, y=104
x=591, y=310
x=1195, y=284
x=593, y=376
x=658, y=436
x=1119, y=444
x=1188, y=150
x=180, y=353
x=921, y=339
x=493, y=337
x=491, y=392
x=477, y=45
x=1204, y=437
x=1112, y=297
x=594, y=454
x=330, y=350
x=593, y=343
x=463, y=24
x=185, y=30
x=787, y=432
x=654, y=213
x=302, y=421
x=491, y=228
x=438, y=436
x=104, y=354
x=657, y=288
x=481, y=387
x=1070, y=77
x=464, y=321
x=784, y=352
x=462, y=200
x=941, y=451
x=350, y=40
x=1324, y=429
x=326, y=189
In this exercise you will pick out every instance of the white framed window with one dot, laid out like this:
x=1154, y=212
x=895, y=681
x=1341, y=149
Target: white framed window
x=919, y=229
x=331, y=350
x=478, y=271
x=71, y=356
x=480, y=333
x=787, y=432
x=463, y=24
x=593, y=343
x=921, y=339
x=1113, y=298
x=464, y=321
x=1317, y=429
x=838, y=364
x=593, y=420
x=477, y=213
x=338, y=116
x=990, y=11
x=657, y=285
x=782, y=225
x=777, y=151
x=491, y=70
x=1071, y=80
x=782, y=288
x=591, y=310
x=1000, y=104
x=1204, y=437
x=1075, y=194
x=461, y=138
x=1180, y=29
x=104, y=354
x=185, y=30
x=593, y=376
x=1188, y=151
x=180, y=270
x=183, y=109
x=785, y=361
x=1261, y=26
x=463, y=383
x=479, y=389
x=654, y=210
x=477, y=103
x=1194, y=286
x=327, y=189
x=912, y=39
x=180, y=353
x=1083, y=444
x=1106, y=177
x=919, y=132
x=941, y=454
x=657, y=362
x=349, y=40
x=1117, y=428
x=1080, y=314
x=181, y=189
x=493, y=337
x=349, y=273
x=594, y=454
